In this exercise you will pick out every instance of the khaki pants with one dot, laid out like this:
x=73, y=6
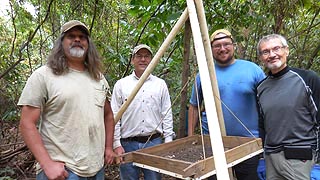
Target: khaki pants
x=280, y=168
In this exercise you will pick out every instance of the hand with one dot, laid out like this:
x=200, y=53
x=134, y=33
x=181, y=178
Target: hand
x=119, y=151
x=55, y=170
x=109, y=156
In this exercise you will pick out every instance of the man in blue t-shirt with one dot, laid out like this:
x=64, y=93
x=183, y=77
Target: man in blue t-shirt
x=237, y=80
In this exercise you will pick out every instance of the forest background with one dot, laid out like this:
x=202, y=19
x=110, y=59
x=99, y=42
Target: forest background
x=28, y=29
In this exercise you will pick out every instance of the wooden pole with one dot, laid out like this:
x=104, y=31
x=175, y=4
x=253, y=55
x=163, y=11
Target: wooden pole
x=210, y=62
x=214, y=128
x=212, y=71
x=155, y=60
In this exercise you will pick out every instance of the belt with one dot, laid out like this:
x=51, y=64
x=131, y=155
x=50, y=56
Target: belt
x=142, y=139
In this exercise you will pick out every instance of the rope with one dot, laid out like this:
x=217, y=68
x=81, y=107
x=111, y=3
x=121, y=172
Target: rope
x=200, y=117
x=235, y=116
x=161, y=120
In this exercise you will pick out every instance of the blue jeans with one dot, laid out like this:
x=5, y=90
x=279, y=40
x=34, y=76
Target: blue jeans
x=204, y=122
x=130, y=172
x=73, y=176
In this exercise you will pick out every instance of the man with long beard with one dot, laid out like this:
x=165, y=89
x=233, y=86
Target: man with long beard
x=288, y=101
x=237, y=80
x=69, y=98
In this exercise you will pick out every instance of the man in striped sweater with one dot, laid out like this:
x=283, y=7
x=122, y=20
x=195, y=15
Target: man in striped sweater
x=288, y=100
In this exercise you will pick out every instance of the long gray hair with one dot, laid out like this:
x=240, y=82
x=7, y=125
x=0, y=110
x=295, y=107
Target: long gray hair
x=58, y=63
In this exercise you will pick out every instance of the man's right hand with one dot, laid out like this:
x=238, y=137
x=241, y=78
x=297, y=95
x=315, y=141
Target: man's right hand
x=55, y=170
x=119, y=151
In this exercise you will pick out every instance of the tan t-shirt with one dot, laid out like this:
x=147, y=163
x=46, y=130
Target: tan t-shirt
x=72, y=117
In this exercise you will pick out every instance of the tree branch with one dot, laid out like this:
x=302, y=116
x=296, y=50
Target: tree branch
x=26, y=44
x=142, y=31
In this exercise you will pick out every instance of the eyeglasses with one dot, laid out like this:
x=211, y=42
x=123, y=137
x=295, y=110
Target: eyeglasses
x=139, y=56
x=225, y=45
x=276, y=49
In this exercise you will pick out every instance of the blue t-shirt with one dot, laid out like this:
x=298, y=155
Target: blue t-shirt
x=237, y=83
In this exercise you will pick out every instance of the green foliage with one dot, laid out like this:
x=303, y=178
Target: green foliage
x=6, y=173
x=26, y=37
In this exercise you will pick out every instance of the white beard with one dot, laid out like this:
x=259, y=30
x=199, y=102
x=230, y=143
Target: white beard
x=76, y=52
x=275, y=65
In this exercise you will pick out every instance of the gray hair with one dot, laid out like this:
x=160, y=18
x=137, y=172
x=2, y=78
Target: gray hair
x=271, y=37
x=58, y=63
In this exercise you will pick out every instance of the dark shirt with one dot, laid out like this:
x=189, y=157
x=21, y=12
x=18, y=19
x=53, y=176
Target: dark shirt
x=288, y=104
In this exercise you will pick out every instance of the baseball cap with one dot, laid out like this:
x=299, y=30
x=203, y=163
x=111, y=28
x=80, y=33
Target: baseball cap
x=224, y=31
x=141, y=46
x=73, y=23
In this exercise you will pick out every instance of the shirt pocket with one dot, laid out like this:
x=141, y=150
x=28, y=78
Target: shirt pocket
x=153, y=101
x=99, y=97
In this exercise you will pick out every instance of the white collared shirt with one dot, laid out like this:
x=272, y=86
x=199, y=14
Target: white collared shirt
x=150, y=109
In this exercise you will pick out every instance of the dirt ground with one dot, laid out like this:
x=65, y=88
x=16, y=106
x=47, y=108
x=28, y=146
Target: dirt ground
x=192, y=153
x=16, y=161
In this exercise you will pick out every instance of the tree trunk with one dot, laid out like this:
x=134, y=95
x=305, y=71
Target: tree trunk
x=182, y=132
